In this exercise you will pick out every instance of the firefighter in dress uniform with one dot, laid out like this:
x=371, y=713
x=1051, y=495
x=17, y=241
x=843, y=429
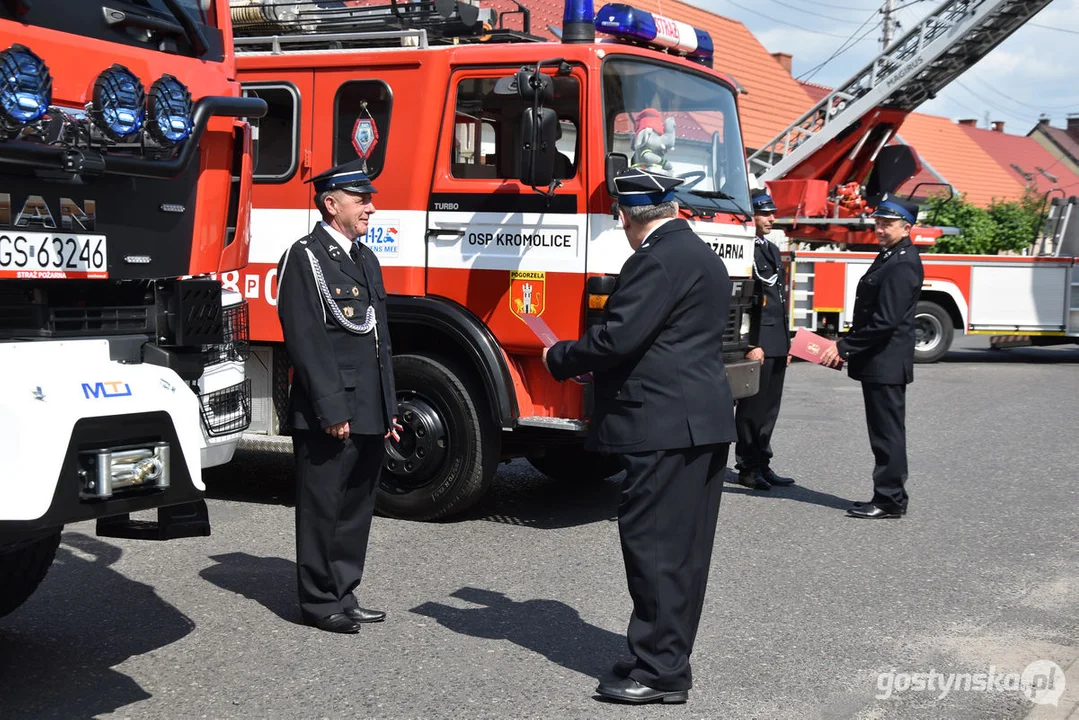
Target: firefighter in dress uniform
x=756, y=415
x=662, y=402
x=342, y=403
x=879, y=351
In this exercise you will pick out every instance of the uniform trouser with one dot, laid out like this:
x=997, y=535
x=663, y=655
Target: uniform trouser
x=755, y=417
x=335, y=499
x=667, y=522
x=885, y=416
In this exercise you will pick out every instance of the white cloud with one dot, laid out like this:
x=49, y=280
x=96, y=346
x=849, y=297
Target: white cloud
x=1028, y=74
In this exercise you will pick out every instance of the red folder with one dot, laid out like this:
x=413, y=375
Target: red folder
x=809, y=346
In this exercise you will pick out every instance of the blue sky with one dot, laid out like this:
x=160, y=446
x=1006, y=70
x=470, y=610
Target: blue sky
x=1032, y=72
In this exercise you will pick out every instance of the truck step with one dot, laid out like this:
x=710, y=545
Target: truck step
x=175, y=521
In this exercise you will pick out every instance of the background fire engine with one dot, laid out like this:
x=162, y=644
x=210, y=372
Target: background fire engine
x=124, y=186
x=491, y=153
x=830, y=166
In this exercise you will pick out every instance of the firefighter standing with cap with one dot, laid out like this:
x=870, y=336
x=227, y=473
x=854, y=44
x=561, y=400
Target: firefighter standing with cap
x=879, y=351
x=662, y=402
x=332, y=306
x=756, y=415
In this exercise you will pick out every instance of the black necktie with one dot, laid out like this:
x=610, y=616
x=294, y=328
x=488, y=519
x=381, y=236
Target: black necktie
x=354, y=253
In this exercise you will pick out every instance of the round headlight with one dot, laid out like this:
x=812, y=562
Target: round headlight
x=119, y=103
x=25, y=86
x=169, y=111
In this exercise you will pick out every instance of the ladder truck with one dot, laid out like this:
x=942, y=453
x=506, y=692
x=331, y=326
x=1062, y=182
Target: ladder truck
x=829, y=167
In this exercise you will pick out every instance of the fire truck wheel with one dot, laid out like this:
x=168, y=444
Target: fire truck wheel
x=576, y=464
x=23, y=565
x=448, y=452
x=933, y=332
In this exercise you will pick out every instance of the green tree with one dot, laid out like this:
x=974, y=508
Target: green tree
x=1005, y=225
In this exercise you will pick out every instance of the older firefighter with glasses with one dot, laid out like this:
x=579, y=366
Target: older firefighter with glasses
x=756, y=415
x=662, y=402
x=342, y=404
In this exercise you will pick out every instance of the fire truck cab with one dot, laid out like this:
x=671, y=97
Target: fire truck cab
x=492, y=153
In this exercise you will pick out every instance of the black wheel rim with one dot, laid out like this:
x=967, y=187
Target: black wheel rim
x=418, y=459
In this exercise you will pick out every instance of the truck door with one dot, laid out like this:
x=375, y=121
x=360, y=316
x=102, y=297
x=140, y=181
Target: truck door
x=281, y=201
x=494, y=245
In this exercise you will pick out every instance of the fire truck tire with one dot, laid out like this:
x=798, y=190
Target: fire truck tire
x=22, y=568
x=933, y=332
x=575, y=464
x=449, y=451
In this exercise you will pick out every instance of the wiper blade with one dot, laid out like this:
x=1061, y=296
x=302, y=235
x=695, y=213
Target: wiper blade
x=720, y=195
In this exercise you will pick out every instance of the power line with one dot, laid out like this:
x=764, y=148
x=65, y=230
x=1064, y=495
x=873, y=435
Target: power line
x=847, y=45
x=991, y=106
x=1039, y=108
x=814, y=14
x=773, y=19
x=1050, y=27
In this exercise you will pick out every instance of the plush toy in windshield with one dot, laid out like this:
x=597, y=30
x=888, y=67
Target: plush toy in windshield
x=653, y=138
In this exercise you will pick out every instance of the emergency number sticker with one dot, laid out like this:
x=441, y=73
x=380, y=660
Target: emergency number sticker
x=527, y=292
x=383, y=238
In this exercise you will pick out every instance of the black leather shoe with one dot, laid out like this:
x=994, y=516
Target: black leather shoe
x=362, y=615
x=628, y=690
x=753, y=480
x=338, y=623
x=873, y=512
x=863, y=504
x=622, y=668
x=772, y=479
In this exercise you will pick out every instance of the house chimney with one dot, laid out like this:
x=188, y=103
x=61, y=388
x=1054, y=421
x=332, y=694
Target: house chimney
x=968, y=122
x=785, y=60
x=1043, y=120
x=998, y=126
x=1073, y=126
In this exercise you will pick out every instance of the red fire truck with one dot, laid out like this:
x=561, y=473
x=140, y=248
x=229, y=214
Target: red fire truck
x=492, y=152
x=125, y=178
x=828, y=168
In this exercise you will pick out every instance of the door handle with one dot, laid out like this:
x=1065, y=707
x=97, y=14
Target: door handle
x=447, y=232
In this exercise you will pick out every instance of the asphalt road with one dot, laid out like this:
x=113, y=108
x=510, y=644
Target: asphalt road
x=515, y=610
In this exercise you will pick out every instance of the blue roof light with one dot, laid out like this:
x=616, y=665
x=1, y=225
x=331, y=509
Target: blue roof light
x=636, y=25
x=119, y=103
x=25, y=86
x=577, y=19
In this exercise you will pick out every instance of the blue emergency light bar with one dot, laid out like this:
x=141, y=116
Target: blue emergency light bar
x=635, y=25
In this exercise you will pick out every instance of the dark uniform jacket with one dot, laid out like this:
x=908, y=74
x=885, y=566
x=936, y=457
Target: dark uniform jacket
x=880, y=345
x=657, y=360
x=338, y=375
x=771, y=276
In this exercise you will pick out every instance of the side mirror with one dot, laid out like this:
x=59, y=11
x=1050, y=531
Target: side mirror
x=526, y=84
x=539, y=132
x=614, y=164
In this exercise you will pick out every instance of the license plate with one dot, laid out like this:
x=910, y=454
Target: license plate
x=44, y=255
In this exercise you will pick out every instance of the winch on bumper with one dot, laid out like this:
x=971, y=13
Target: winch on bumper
x=85, y=437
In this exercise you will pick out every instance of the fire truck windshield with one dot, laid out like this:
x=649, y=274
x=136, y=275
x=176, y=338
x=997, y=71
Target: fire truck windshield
x=180, y=27
x=669, y=119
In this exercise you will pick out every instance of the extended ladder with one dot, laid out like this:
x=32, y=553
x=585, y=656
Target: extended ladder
x=919, y=64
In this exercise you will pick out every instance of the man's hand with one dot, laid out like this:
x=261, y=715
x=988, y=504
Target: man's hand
x=339, y=431
x=395, y=430
x=756, y=354
x=544, y=358
x=830, y=356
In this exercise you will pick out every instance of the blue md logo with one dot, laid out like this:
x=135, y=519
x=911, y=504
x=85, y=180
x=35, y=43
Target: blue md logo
x=105, y=389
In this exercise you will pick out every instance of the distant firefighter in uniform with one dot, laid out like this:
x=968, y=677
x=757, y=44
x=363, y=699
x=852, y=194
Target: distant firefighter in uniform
x=879, y=351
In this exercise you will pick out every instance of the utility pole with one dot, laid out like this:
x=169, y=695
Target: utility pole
x=889, y=24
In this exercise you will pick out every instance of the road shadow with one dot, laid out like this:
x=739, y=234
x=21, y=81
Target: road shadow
x=57, y=652
x=521, y=495
x=797, y=493
x=1024, y=355
x=548, y=627
x=269, y=581
x=254, y=476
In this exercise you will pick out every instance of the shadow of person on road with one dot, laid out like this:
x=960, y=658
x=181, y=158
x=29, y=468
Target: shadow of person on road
x=797, y=493
x=58, y=650
x=269, y=581
x=548, y=627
